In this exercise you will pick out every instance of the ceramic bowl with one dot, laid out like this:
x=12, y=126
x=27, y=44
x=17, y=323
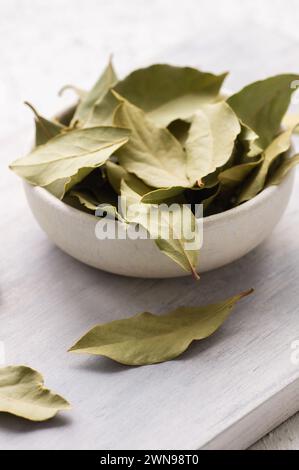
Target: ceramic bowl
x=226, y=236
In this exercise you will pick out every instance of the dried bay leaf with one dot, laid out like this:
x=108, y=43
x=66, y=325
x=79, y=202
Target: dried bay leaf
x=176, y=244
x=85, y=107
x=249, y=139
x=179, y=194
x=44, y=128
x=22, y=393
x=176, y=194
x=153, y=154
x=70, y=156
x=167, y=93
x=210, y=140
x=236, y=175
x=86, y=198
x=95, y=191
x=282, y=170
x=156, y=157
x=115, y=173
x=257, y=181
x=158, y=196
x=59, y=188
x=103, y=111
x=149, y=339
x=291, y=120
x=231, y=180
x=262, y=105
x=210, y=148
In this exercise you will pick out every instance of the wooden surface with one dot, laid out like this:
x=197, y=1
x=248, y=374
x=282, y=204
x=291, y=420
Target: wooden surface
x=224, y=392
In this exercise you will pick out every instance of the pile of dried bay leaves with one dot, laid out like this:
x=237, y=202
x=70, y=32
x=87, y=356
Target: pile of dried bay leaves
x=163, y=134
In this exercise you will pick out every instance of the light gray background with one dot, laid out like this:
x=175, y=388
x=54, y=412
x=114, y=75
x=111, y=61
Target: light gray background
x=47, y=299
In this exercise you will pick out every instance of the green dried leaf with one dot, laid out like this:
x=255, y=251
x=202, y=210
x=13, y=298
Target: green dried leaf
x=167, y=93
x=103, y=111
x=291, y=121
x=59, y=188
x=262, y=105
x=211, y=139
x=95, y=192
x=22, y=393
x=158, y=159
x=85, y=198
x=283, y=169
x=236, y=175
x=149, y=339
x=70, y=156
x=180, y=244
x=152, y=154
x=115, y=173
x=44, y=129
x=257, y=181
x=249, y=140
x=158, y=196
x=85, y=107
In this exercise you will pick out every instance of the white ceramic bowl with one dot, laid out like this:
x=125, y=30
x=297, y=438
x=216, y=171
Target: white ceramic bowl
x=226, y=236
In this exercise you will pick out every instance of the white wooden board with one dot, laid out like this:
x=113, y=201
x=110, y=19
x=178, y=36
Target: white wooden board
x=225, y=392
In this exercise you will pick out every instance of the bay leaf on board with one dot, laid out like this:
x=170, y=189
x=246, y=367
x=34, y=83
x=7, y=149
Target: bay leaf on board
x=22, y=393
x=148, y=339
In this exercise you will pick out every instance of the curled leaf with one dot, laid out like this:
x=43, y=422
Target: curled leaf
x=79, y=92
x=167, y=93
x=22, y=393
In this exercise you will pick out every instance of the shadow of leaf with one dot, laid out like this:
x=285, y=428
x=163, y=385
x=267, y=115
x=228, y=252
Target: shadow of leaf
x=15, y=424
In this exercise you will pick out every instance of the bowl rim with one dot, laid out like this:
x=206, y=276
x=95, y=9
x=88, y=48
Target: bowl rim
x=246, y=206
